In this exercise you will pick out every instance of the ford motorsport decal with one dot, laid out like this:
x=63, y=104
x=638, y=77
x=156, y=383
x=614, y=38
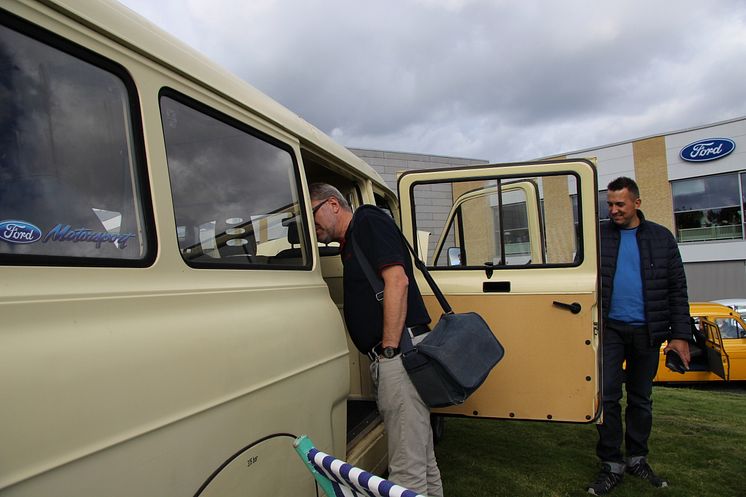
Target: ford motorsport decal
x=19, y=232
x=23, y=232
x=705, y=150
x=64, y=233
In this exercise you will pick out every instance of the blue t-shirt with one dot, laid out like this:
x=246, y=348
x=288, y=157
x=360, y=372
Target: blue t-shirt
x=627, y=304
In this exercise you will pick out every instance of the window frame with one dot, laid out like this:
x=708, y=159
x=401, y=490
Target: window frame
x=138, y=173
x=239, y=125
x=578, y=259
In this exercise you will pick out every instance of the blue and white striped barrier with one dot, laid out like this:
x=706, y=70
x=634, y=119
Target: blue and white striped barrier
x=340, y=479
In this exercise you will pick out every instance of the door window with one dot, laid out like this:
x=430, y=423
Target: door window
x=499, y=223
x=235, y=191
x=72, y=190
x=730, y=328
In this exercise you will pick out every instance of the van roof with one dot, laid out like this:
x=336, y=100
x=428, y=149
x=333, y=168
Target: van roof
x=115, y=21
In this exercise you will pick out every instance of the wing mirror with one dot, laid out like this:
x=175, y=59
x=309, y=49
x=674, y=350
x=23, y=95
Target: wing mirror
x=454, y=256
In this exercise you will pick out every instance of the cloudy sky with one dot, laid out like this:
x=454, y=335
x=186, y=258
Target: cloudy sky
x=487, y=79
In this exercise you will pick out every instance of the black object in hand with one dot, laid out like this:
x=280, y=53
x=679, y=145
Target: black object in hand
x=674, y=362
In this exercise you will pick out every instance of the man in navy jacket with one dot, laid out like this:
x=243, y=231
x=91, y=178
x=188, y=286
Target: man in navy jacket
x=644, y=302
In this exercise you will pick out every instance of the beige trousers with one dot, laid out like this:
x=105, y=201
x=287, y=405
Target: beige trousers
x=407, y=423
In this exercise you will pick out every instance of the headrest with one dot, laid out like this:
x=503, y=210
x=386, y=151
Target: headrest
x=293, y=236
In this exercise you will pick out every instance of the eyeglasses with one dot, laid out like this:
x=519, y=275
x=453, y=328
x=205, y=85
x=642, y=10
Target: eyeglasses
x=315, y=209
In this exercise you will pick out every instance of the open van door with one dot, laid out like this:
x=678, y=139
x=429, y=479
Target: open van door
x=517, y=243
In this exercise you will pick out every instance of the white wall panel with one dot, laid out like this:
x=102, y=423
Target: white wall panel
x=736, y=161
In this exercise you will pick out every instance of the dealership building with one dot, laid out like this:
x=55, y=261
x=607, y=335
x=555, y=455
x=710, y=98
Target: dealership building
x=692, y=181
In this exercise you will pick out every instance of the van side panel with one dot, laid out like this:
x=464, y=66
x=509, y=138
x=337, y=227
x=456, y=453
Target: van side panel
x=131, y=384
x=163, y=379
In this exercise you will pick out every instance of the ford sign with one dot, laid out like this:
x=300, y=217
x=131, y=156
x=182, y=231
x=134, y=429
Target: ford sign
x=710, y=149
x=19, y=232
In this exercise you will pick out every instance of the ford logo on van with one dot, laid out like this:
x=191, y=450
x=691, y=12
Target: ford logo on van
x=19, y=232
x=710, y=149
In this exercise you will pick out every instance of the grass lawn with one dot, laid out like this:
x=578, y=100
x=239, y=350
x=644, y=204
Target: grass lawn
x=698, y=443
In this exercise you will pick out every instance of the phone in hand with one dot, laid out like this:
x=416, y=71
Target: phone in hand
x=674, y=362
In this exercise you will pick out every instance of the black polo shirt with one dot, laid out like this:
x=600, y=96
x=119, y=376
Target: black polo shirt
x=380, y=241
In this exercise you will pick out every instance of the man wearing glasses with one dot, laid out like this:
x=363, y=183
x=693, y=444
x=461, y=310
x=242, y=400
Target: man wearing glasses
x=376, y=329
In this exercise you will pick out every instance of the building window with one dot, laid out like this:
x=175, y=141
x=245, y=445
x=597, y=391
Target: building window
x=603, y=206
x=708, y=208
x=743, y=199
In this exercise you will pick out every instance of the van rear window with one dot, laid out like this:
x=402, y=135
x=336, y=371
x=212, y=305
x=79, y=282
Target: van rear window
x=235, y=191
x=69, y=192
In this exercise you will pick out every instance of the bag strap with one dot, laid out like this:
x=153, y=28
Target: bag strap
x=430, y=281
x=373, y=278
x=377, y=283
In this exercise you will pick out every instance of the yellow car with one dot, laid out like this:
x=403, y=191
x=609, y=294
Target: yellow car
x=719, y=351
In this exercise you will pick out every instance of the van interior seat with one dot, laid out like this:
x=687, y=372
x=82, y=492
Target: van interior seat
x=294, y=239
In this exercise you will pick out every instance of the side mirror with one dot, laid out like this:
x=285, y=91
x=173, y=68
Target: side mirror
x=454, y=256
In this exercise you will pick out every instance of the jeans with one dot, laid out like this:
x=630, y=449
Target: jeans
x=631, y=343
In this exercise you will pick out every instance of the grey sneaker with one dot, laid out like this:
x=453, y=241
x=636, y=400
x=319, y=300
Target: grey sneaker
x=605, y=481
x=643, y=470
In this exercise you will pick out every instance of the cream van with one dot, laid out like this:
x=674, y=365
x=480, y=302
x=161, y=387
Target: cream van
x=169, y=322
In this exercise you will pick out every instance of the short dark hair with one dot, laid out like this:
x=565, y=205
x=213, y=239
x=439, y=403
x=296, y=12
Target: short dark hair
x=623, y=182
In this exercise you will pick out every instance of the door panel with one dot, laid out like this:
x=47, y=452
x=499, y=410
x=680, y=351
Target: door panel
x=717, y=360
x=518, y=252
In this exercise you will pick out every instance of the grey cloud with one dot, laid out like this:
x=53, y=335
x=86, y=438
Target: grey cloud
x=481, y=79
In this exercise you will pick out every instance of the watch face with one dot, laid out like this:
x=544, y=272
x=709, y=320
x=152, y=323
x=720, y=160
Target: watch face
x=389, y=352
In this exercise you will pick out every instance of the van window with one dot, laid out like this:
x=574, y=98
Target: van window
x=235, y=191
x=69, y=188
x=528, y=222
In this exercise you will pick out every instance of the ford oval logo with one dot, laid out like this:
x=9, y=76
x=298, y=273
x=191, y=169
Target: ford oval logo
x=710, y=149
x=19, y=232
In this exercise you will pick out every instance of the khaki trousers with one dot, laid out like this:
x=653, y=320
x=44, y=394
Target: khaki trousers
x=407, y=423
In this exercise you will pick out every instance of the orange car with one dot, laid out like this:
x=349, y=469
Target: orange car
x=719, y=348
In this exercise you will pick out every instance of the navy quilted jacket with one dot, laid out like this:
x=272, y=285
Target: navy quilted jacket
x=663, y=278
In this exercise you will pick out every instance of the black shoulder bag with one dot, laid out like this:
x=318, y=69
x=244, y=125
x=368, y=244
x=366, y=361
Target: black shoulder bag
x=453, y=359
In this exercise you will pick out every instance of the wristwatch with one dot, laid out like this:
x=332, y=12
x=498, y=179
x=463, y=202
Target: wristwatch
x=389, y=352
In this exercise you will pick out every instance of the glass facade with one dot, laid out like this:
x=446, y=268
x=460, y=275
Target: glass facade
x=603, y=207
x=708, y=208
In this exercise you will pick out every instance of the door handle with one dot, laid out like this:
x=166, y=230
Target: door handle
x=574, y=307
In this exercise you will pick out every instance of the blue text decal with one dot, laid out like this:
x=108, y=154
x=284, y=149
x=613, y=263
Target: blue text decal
x=710, y=149
x=14, y=231
x=65, y=233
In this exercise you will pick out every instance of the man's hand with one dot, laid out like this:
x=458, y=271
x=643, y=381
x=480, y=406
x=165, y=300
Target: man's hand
x=680, y=346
